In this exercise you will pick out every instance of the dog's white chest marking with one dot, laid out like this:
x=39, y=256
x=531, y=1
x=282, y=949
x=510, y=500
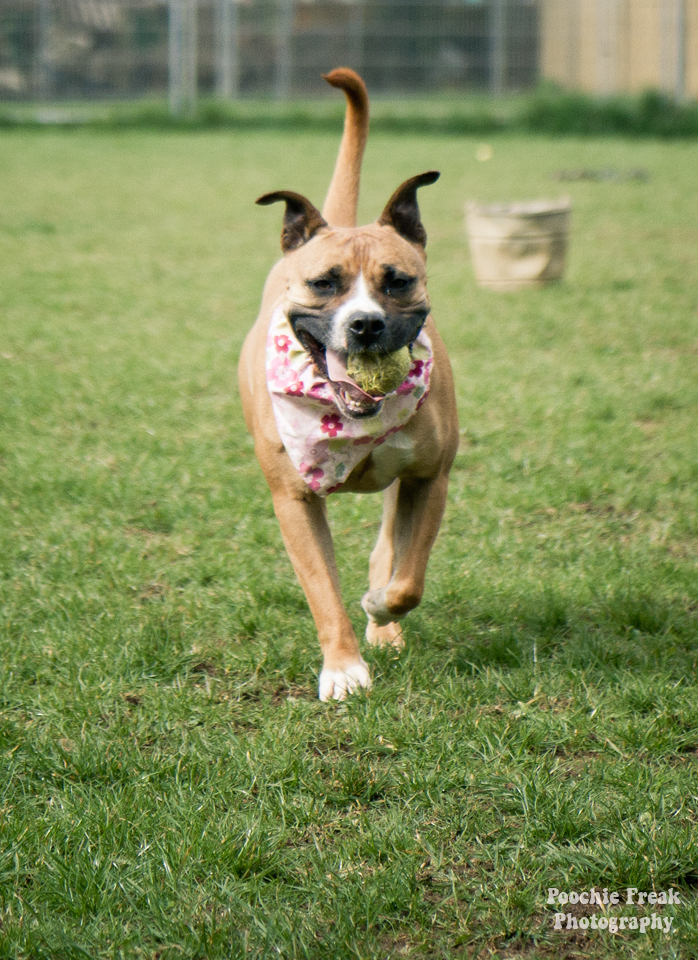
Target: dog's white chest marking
x=392, y=458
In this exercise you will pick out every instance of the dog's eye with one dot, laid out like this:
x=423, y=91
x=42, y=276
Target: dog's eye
x=394, y=286
x=322, y=285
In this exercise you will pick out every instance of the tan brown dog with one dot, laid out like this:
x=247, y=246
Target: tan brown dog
x=342, y=289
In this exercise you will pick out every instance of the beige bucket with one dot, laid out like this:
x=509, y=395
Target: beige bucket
x=518, y=245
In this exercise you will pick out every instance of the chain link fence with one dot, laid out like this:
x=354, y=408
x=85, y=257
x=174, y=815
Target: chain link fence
x=126, y=49
x=79, y=49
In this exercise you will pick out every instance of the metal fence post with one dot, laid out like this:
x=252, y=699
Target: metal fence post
x=680, y=79
x=498, y=65
x=673, y=47
x=182, y=56
x=356, y=35
x=282, y=84
x=43, y=65
x=227, y=53
x=575, y=41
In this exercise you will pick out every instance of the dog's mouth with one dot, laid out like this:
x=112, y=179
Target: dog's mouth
x=350, y=398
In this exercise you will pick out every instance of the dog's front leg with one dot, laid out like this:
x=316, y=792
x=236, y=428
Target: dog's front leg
x=412, y=514
x=308, y=541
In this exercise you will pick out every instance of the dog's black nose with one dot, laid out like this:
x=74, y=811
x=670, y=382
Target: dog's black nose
x=366, y=328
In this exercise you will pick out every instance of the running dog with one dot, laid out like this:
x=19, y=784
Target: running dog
x=339, y=291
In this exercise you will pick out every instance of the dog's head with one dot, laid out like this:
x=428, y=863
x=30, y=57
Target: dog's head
x=355, y=289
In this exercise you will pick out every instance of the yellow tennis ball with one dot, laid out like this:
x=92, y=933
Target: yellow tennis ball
x=379, y=373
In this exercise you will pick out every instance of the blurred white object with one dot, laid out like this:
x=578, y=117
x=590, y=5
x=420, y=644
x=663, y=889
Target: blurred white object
x=520, y=244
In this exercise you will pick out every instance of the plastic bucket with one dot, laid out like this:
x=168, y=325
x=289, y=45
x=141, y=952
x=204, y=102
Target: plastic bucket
x=520, y=244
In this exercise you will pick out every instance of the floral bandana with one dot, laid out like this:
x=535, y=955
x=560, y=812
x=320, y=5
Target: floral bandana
x=325, y=446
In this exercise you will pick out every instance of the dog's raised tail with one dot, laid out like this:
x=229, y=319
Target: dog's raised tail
x=342, y=198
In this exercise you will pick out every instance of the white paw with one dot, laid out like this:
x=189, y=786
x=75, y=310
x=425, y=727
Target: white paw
x=375, y=609
x=337, y=684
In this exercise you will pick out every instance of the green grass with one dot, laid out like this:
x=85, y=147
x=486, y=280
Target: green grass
x=170, y=787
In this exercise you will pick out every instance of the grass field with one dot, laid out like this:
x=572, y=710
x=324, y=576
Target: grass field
x=170, y=786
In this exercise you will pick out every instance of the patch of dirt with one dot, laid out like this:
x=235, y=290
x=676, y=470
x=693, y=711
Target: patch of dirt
x=291, y=692
x=205, y=666
x=153, y=591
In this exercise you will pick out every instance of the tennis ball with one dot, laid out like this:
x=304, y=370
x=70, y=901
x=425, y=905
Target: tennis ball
x=379, y=373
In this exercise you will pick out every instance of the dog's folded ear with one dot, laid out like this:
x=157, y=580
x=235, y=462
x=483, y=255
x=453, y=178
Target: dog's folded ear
x=301, y=220
x=402, y=210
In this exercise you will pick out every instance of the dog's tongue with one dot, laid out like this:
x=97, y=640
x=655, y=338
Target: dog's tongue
x=337, y=368
x=337, y=372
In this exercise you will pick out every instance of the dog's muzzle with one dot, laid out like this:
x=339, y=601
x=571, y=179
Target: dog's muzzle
x=352, y=401
x=360, y=333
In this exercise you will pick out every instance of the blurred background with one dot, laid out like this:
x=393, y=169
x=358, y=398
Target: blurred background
x=128, y=49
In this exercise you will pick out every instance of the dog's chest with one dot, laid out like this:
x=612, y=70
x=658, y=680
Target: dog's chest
x=328, y=449
x=391, y=459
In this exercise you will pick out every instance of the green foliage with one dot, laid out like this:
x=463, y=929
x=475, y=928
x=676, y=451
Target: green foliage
x=548, y=110
x=170, y=786
x=652, y=114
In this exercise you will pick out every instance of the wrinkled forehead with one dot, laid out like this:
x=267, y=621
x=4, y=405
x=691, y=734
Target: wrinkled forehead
x=353, y=250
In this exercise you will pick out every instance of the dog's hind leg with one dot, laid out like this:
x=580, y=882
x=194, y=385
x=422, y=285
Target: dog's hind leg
x=412, y=514
x=380, y=570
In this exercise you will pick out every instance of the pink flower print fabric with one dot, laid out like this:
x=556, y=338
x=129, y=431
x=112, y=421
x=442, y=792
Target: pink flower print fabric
x=325, y=446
